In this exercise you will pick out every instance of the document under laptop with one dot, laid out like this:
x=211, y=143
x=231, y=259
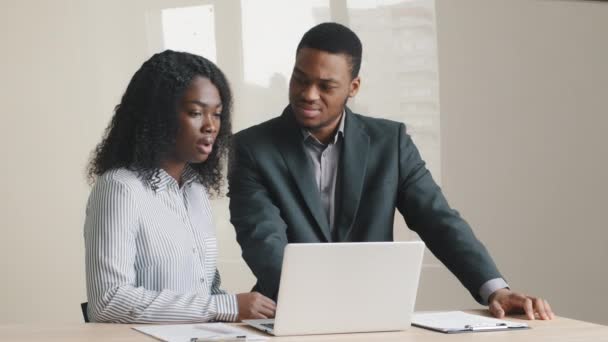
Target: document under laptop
x=198, y=332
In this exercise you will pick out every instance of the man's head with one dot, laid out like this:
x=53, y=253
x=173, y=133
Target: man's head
x=336, y=39
x=325, y=75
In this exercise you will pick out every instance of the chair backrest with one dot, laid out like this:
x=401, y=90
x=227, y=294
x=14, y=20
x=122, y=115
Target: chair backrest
x=85, y=315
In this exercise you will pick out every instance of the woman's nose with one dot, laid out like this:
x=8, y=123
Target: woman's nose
x=208, y=125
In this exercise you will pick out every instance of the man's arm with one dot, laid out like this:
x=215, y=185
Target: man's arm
x=260, y=230
x=446, y=234
x=452, y=241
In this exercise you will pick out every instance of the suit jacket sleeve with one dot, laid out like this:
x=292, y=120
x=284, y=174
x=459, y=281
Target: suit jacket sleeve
x=446, y=234
x=260, y=230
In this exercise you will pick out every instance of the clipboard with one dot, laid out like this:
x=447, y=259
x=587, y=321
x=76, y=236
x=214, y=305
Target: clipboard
x=453, y=322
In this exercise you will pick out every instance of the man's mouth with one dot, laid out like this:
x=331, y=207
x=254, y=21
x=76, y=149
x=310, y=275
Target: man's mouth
x=308, y=111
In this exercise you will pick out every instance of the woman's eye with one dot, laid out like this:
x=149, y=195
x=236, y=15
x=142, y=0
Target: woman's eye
x=195, y=113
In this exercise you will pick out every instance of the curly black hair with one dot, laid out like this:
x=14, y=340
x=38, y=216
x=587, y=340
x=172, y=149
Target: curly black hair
x=143, y=130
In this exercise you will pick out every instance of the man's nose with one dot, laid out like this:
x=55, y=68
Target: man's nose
x=310, y=93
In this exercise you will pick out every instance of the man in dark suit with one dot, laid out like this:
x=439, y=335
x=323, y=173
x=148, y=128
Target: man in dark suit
x=321, y=173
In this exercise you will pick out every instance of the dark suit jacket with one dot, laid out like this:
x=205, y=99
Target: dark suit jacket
x=274, y=199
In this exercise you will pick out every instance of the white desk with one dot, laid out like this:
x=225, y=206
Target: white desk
x=558, y=330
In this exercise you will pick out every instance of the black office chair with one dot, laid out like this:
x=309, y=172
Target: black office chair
x=84, y=306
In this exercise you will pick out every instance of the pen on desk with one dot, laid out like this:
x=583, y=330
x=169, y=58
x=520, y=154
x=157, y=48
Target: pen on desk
x=486, y=327
x=238, y=338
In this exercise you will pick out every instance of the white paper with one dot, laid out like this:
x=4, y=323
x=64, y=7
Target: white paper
x=451, y=321
x=184, y=332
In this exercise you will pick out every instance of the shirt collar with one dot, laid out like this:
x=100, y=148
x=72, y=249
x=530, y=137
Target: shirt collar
x=161, y=180
x=306, y=134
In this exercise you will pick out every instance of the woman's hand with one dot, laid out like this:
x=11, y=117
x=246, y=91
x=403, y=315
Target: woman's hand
x=253, y=305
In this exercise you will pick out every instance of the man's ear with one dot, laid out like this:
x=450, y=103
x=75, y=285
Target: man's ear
x=354, y=86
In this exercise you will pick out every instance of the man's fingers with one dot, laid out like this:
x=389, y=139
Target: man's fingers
x=549, y=310
x=496, y=310
x=529, y=308
x=520, y=303
x=539, y=306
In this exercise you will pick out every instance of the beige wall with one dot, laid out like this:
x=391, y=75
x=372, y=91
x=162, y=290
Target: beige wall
x=521, y=119
x=523, y=88
x=62, y=65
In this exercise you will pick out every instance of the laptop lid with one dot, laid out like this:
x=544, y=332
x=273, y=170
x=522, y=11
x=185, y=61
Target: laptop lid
x=347, y=287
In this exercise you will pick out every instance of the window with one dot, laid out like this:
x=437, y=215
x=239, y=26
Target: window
x=190, y=29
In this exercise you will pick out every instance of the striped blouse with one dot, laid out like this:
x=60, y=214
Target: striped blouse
x=151, y=251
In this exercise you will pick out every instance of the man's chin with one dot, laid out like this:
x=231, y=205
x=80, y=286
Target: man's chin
x=307, y=123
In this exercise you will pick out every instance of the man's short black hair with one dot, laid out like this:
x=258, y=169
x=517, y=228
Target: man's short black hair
x=337, y=39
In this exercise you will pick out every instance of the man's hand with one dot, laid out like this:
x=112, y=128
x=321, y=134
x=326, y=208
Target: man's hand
x=505, y=301
x=253, y=305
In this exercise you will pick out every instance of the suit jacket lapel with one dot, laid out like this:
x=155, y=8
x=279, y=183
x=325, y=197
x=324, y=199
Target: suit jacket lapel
x=301, y=169
x=352, y=169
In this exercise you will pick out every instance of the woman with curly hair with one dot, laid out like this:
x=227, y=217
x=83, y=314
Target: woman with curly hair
x=151, y=250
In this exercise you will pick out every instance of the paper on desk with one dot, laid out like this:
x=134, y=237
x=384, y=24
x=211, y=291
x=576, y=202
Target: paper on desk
x=184, y=332
x=457, y=321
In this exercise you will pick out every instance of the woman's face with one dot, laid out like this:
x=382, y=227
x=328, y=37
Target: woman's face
x=199, y=119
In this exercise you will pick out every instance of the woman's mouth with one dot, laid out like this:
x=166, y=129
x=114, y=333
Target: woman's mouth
x=205, y=145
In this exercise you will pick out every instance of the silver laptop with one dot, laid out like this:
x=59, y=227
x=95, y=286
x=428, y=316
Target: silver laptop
x=329, y=288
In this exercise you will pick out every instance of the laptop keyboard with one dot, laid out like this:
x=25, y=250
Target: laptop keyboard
x=268, y=325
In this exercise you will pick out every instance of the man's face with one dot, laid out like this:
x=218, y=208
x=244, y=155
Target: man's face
x=319, y=87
